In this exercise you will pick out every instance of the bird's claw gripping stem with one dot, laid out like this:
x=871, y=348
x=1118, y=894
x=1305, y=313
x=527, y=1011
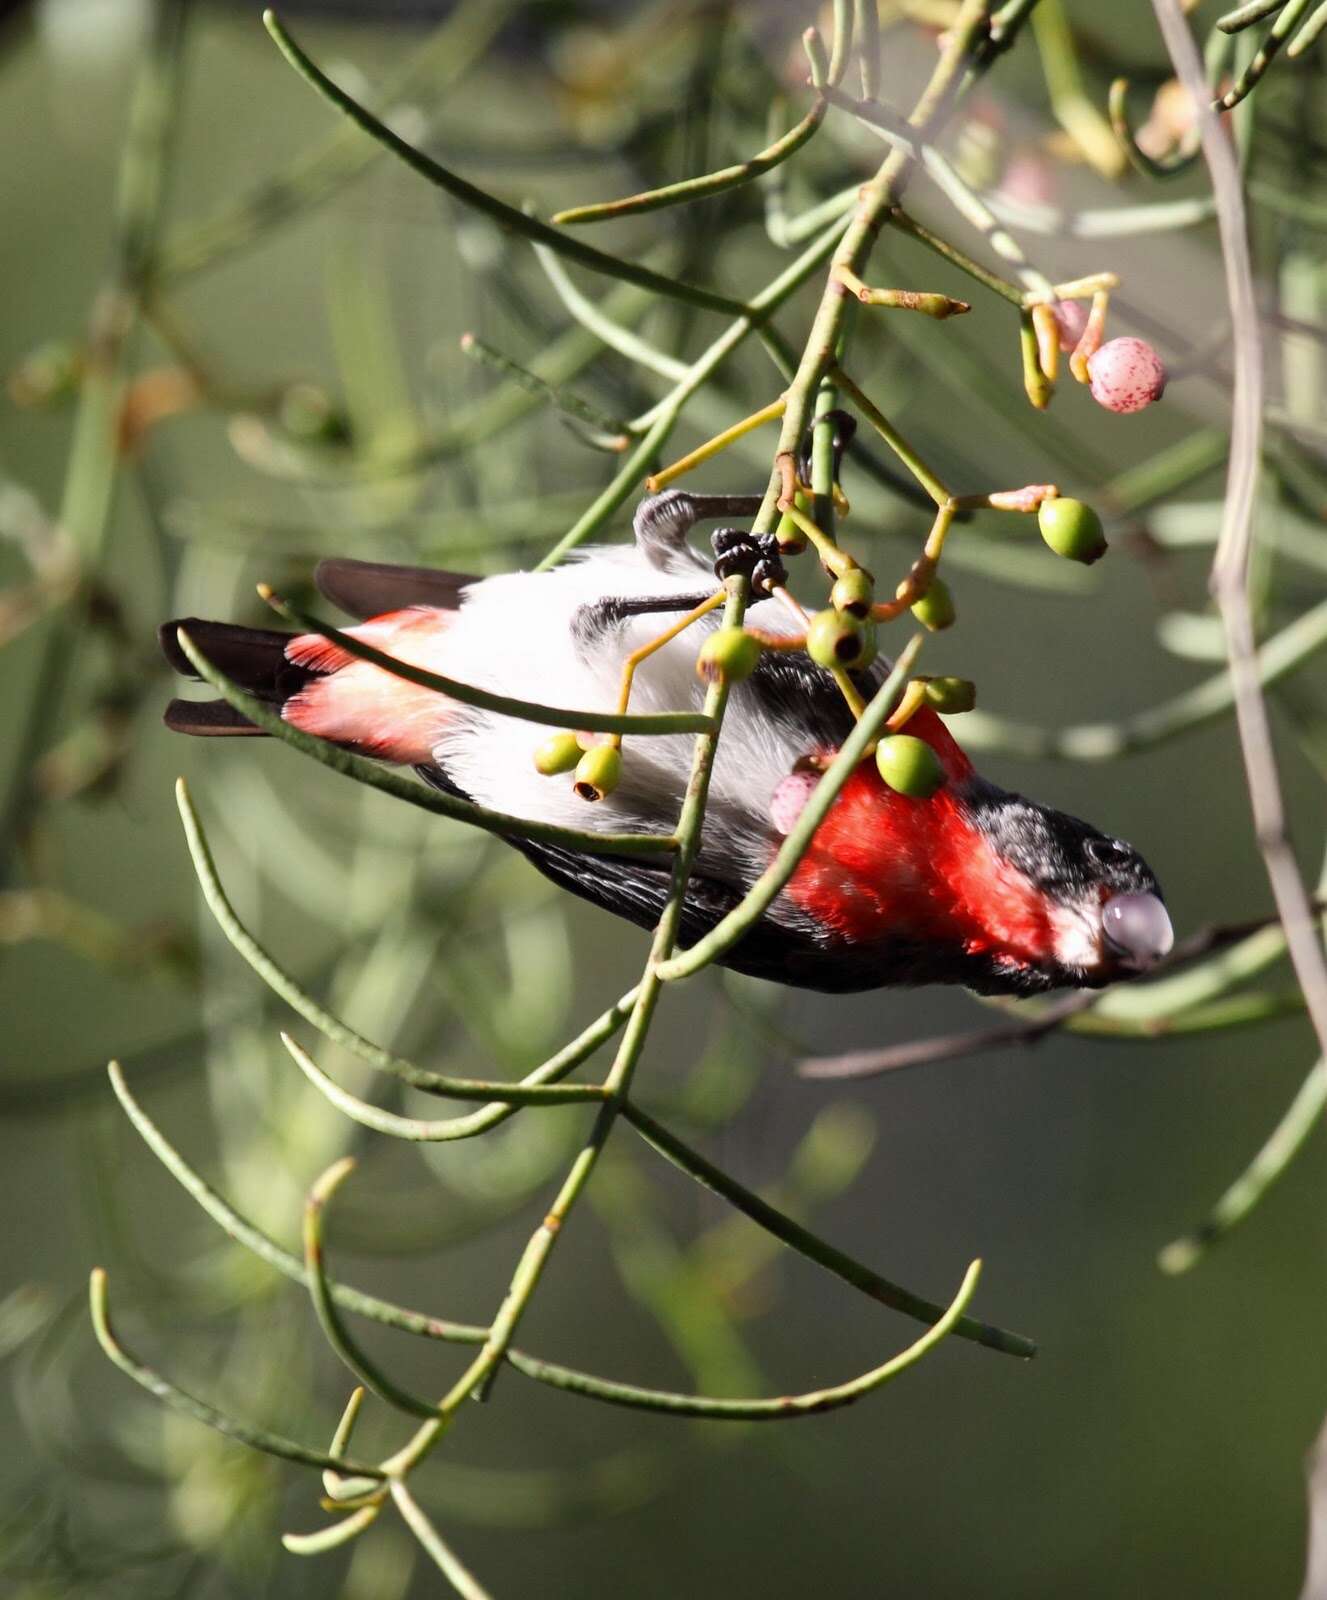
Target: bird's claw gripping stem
x=754, y=555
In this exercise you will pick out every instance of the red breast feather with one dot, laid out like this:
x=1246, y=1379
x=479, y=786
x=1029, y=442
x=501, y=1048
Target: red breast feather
x=885, y=866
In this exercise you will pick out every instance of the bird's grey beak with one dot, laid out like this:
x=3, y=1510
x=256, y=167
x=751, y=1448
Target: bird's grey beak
x=1137, y=929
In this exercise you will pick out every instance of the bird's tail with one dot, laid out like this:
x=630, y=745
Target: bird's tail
x=317, y=686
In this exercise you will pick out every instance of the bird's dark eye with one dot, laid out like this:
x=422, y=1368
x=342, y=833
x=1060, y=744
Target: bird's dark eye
x=1108, y=852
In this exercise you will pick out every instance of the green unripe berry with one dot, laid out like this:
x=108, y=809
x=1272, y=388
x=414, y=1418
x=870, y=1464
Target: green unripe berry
x=731, y=653
x=1072, y=530
x=598, y=772
x=853, y=592
x=791, y=539
x=834, y=639
x=951, y=695
x=935, y=609
x=909, y=766
x=560, y=753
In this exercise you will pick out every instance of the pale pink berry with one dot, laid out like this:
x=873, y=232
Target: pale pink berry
x=1126, y=374
x=790, y=797
x=1028, y=181
x=1070, y=320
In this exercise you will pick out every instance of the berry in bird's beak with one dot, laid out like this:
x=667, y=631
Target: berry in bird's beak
x=909, y=766
x=834, y=639
x=935, y=609
x=598, y=772
x=1071, y=529
x=731, y=653
x=1137, y=928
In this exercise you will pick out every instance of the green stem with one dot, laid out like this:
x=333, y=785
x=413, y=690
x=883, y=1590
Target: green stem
x=272, y=1444
x=455, y=1571
x=415, y=794
x=956, y=257
x=324, y=1302
x=662, y=418
x=665, y=722
x=331, y=1538
x=591, y=315
x=1282, y=1146
x=915, y=146
x=505, y=216
x=608, y=432
x=810, y=1245
x=340, y=1033
x=533, y=1259
x=712, y=183
x=876, y=198
x=421, y=1130
x=1104, y=741
x=893, y=438
x=766, y=888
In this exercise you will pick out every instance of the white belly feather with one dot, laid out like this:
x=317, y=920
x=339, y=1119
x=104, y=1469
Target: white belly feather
x=513, y=635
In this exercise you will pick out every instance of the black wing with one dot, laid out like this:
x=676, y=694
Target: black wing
x=636, y=888
x=367, y=589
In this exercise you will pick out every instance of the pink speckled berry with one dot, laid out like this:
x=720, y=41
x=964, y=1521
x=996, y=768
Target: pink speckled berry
x=790, y=797
x=1070, y=320
x=1126, y=374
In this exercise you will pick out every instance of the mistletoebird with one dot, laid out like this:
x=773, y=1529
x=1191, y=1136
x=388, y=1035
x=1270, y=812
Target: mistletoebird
x=968, y=885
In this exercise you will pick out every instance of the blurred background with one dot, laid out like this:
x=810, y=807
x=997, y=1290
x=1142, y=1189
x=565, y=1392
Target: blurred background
x=293, y=386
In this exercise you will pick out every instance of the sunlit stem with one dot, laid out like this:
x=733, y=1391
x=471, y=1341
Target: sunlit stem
x=1036, y=385
x=938, y=306
x=914, y=587
x=914, y=698
x=835, y=560
x=1082, y=288
x=1047, y=331
x=529, y=1268
x=1090, y=343
x=645, y=651
x=929, y=480
x=712, y=447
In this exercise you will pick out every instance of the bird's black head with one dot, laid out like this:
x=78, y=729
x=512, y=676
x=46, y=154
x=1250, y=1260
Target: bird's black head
x=1103, y=903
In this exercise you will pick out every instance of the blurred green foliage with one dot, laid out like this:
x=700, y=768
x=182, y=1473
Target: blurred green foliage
x=296, y=387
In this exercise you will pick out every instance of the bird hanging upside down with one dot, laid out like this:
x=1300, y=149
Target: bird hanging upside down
x=971, y=885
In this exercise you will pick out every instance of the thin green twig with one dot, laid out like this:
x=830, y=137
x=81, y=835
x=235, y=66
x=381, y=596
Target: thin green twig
x=762, y=893
x=505, y=216
x=415, y=794
x=702, y=188
x=1280, y=1149
x=272, y=1444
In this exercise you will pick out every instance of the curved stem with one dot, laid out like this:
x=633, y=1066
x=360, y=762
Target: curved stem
x=811, y=1246
x=415, y=794
x=324, y=1303
x=272, y=1444
x=702, y=188
x=457, y=1574
x=667, y=722
x=1284, y=1143
x=762, y=893
x=422, y=1130
x=331, y=1027
x=479, y=200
